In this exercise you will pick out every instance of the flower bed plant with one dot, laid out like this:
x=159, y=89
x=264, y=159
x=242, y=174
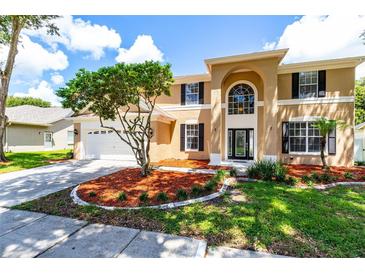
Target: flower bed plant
x=127, y=188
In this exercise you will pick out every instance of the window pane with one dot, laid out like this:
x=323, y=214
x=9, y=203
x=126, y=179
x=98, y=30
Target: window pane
x=192, y=94
x=241, y=100
x=308, y=84
x=192, y=136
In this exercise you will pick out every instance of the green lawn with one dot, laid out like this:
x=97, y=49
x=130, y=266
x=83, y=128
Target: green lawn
x=274, y=218
x=25, y=160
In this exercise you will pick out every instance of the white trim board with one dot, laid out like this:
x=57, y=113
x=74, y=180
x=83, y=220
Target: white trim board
x=185, y=107
x=324, y=100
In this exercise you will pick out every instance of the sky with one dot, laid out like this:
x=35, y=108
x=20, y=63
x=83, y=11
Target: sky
x=45, y=63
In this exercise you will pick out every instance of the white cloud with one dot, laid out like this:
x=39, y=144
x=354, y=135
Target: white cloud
x=57, y=79
x=142, y=50
x=322, y=37
x=79, y=35
x=43, y=91
x=33, y=59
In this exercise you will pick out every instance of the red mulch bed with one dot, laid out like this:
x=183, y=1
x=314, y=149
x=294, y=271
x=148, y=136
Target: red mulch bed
x=133, y=184
x=199, y=164
x=300, y=170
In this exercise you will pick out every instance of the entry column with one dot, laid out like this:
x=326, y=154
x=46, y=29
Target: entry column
x=216, y=123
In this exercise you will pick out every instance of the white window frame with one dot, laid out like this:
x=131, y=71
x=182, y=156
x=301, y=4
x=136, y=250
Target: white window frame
x=307, y=84
x=306, y=141
x=186, y=136
x=188, y=91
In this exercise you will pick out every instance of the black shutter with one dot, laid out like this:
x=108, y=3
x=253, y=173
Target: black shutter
x=295, y=85
x=201, y=92
x=322, y=83
x=183, y=94
x=332, y=142
x=182, y=137
x=285, y=137
x=201, y=137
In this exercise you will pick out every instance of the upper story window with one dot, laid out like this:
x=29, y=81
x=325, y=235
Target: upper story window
x=308, y=84
x=241, y=100
x=192, y=94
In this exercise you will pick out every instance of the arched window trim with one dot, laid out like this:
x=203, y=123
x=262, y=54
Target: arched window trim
x=241, y=99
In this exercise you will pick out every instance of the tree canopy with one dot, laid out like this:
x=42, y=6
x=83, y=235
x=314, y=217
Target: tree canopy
x=13, y=101
x=123, y=92
x=360, y=101
x=11, y=27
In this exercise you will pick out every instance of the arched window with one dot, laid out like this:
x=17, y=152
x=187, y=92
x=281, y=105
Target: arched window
x=241, y=100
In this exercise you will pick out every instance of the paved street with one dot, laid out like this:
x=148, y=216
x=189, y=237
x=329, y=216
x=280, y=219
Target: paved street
x=25, y=185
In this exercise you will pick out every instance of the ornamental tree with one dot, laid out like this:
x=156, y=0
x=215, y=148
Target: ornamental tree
x=126, y=93
x=325, y=126
x=10, y=29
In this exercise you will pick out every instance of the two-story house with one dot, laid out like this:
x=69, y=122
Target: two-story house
x=247, y=107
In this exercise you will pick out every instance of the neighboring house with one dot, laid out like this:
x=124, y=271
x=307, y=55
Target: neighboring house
x=247, y=107
x=360, y=142
x=33, y=128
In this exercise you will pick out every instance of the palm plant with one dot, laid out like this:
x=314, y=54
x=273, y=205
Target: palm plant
x=325, y=126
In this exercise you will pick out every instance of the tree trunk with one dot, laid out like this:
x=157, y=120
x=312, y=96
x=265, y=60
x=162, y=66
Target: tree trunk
x=323, y=157
x=5, y=79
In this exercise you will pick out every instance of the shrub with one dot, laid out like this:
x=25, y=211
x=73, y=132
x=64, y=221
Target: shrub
x=348, y=175
x=92, y=194
x=69, y=154
x=196, y=190
x=363, y=178
x=307, y=180
x=292, y=180
x=143, y=197
x=210, y=185
x=267, y=170
x=162, y=197
x=326, y=177
x=220, y=174
x=122, y=196
x=315, y=177
x=181, y=194
x=280, y=172
x=233, y=172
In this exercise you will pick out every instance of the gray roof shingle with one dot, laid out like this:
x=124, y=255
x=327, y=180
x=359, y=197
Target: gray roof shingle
x=36, y=115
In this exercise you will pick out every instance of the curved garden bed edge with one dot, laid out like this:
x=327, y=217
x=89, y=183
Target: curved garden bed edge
x=76, y=199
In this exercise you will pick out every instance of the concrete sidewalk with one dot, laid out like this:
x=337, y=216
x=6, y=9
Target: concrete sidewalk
x=26, y=234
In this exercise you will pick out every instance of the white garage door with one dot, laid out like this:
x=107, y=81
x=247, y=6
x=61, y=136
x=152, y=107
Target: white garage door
x=106, y=144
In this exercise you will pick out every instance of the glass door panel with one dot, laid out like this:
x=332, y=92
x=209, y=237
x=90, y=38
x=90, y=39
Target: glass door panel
x=240, y=143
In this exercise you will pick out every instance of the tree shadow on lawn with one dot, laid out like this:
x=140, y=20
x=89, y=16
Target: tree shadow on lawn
x=277, y=218
x=25, y=160
x=281, y=220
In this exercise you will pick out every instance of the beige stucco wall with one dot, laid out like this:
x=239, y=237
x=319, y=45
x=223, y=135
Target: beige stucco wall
x=344, y=138
x=265, y=76
x=60, y=130
x=250, y=76
x=31, y=138
x=339, y=82
x=175, y=98
x=163, y=149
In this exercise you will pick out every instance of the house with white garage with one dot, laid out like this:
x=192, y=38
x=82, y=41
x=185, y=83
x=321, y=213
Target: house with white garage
x=247, y=107
x=33, y=128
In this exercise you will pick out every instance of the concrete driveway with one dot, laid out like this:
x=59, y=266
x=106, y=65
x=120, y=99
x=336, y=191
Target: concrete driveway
x=26, y=185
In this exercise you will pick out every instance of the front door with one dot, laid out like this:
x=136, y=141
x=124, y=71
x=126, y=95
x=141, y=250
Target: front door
x=48, y=140
x=240, y=143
